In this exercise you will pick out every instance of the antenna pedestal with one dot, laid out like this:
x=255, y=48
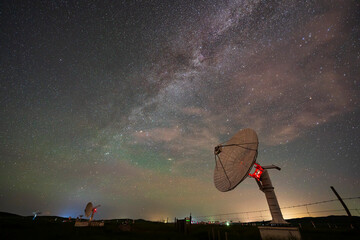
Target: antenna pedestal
x=266, y=186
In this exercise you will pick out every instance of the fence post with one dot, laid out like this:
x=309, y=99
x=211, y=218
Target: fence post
x=313, y=224
x=341, y=201
x=345, y=207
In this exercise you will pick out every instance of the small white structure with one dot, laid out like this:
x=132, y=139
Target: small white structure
x=81, y=224
x=280, y=233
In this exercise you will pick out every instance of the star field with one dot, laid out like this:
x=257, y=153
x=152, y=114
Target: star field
x=121, y=103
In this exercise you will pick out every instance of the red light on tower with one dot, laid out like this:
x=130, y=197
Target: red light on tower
x=95, y=210
x=257, y=174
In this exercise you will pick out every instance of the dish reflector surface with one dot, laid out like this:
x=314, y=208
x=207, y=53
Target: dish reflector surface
x=88, y=209
x=234, y=159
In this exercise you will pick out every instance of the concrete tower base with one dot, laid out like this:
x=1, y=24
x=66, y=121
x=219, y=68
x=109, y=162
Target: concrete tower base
x=286, y=233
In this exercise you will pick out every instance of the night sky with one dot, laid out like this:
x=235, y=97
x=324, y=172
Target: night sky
x=121, y=103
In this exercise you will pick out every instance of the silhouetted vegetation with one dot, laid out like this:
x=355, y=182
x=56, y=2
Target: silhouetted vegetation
x=51, y=227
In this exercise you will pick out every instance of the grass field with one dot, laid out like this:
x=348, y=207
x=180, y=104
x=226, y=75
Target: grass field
x=18, y=227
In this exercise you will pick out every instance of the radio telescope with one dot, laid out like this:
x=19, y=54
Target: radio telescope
x=90, y=210
x=234, y=160
x=35, y=214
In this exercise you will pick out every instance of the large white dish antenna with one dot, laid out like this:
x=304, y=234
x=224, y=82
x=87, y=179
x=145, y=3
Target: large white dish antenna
x=234, y=159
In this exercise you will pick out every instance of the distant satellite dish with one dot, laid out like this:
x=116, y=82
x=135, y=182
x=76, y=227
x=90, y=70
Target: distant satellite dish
x=90, y=210
x=234, y=160
x=36, y=214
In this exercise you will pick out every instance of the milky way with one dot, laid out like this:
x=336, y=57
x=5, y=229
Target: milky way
x=122, y=103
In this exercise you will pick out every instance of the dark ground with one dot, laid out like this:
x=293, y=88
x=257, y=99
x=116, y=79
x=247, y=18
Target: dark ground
x=51, y=227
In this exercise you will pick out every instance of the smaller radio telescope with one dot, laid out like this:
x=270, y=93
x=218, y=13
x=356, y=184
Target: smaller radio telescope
x=234, y=160
x=90, y=210
x=36, y=213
